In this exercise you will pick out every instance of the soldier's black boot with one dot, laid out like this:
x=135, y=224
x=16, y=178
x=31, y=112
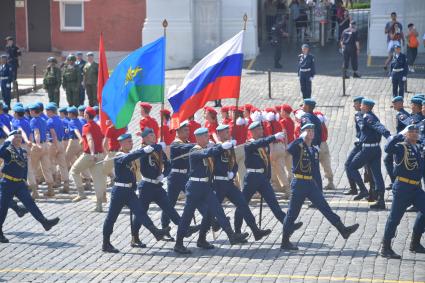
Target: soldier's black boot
x=136, y=243
x=415, y=244
x=168, y=237
x=49, y=223
x=192, y=229
x=159, y=233
x=346, y=231
x=286, y=244
x=107, y=247
x=387, y=251
x=373, y=196
x=3, y=239
x=380, y=203
x=203, y=243
x=179, y=248
x=353, y=188
x=21, y=211
x=362, y=194
x=259, y=234
x=236, y=238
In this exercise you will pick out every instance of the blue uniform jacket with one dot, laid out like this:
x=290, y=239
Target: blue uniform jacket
x=310, y=118
x=40, y=124
x=225, y=162
x=6, y=74
x=21, y=124
x=178, y=148
x=150, y=163
x=201, y=161
x=15, y=160
x=408, y=164
x=305, y=160
x=74, y=124
x=306, y=62
x=65, y=124
x=399, y=62
x=371, y=130
x=253, y=158
x=55, y=123
x=125, y=170
x=402, y=118
x=357, y=122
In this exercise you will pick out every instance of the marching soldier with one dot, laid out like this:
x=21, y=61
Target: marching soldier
x=92, y=138
x=71, y=81
x=306, y=70
x=90, y=71
x=398, y=71
x=52, y=80
x=6, y=79
x=123, y=193
x=199, y=194
x=13, y=182
x=225, y=169
x=258, y=173
x=154, y=167
x=371, y=131
x=80, y=63
x=307, y=184
x=57, y=146
x=409, y=170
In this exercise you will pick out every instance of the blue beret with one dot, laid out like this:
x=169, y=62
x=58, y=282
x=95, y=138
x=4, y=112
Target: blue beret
x=19, y=104
x=358, y=99
x=40, y=104
x=310, y=102
x=5, y=107
x=72, y=109
x=222, y=127
x=33, y=106
x=51, y=106
x=307, y=126
x=368, y=102
x=124, y=137
x=254, y=125
x=79, y=53
x=96, y=108
x=397, y=99
x=201, y=131
x=82, y=108
x=412, y=127
x=26, y=108
x=18, y=109
x=185, y=123
x=396, y=45
x=15, y=132
x=305, y=45
x=146, y=132
x=62, y=110
x=420, y=95
x=416, y=100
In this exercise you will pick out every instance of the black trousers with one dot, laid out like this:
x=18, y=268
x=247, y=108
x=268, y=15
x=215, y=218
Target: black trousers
x=350, y=54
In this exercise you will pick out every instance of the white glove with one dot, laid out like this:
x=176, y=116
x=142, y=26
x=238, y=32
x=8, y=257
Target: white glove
x=8, y=85
x=317, y=147
x=269, y=116
x=240, y=121
x=230, y=175
x=311, y=79
x=227, y=145
x=390, y=138
x=404, y=131
x=9, y=139
x=210, y=144
x=160, y=178
x=148, y=149
x=390, y=78
x=234, y=142
x=404, y=79
x=279, y=136
x=163, y=145
x=303, y=135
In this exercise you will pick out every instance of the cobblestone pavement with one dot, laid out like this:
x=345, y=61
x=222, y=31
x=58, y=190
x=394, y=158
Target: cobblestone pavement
x=71, y=251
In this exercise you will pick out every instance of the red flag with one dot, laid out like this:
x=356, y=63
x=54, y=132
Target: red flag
x=102, y=77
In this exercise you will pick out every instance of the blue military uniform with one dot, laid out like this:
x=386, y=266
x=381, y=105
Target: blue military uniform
x=409, y=171
x=13, y=183
x=21, y=123
x=6, y=78
x=398, y=72
x=178, y=177
x=307, y=183
x=371, y=131
x=123, y=194
x=306, y=72
x=310, y=118
x=257, y=177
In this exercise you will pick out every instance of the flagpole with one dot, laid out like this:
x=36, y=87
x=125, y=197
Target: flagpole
x=164, y=25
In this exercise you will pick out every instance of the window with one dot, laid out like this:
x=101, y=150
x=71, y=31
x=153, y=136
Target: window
x=72, y=15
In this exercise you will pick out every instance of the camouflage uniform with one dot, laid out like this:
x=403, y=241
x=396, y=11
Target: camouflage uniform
x=71, y=81
x=52, y=81
x=90, y=71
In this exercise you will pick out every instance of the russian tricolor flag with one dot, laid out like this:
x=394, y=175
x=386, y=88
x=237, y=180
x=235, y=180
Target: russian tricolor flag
x=216, y=76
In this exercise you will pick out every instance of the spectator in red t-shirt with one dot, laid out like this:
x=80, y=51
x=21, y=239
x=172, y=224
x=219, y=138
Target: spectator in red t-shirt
x=211, y=123
x=168, y=134
x=111, y=147
x=92, y=139
x=193, y=125
x=147, y=121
